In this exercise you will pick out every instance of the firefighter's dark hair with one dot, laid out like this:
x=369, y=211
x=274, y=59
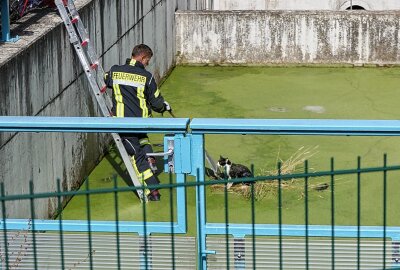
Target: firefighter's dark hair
x=142, y=49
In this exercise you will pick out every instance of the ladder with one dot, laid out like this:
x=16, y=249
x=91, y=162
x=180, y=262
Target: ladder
x=79, y=38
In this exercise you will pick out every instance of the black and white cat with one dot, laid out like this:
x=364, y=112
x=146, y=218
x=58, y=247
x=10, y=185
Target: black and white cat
x=232, y=170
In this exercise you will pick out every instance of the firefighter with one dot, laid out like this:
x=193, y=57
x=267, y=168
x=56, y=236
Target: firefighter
x=135, y=94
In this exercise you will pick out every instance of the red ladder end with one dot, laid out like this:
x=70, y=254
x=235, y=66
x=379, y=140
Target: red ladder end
x=75, y=19
x=85, y=43
x=94, y=65
x=103, y=89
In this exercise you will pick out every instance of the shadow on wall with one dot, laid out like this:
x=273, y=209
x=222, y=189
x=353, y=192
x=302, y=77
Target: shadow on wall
x=356, y=7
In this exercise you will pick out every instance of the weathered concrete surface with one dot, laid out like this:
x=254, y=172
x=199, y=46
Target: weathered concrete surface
x=40, y=75
x=282, y=37
x=303, y=4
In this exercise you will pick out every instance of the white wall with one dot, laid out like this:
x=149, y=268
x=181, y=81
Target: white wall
x=281, y=37
x=303, y=4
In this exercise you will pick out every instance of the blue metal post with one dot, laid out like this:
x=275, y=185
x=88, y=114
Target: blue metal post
x=5, y=23
x=198, y=169
x=180, y=179
x=181, y=156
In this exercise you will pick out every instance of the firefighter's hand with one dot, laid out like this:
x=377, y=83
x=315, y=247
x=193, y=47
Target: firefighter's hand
x=167, y=106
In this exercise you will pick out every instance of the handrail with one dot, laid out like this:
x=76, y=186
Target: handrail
x=92, y=124
x=201, y=125
x=296, y=126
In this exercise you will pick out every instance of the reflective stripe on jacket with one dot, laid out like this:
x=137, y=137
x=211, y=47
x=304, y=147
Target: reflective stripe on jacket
x=135, y=92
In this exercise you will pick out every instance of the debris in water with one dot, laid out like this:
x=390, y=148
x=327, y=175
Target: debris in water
x=315, y=109
x=278, y=109
x=321, y=187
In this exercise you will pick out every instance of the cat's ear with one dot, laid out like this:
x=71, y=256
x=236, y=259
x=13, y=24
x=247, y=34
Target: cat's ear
x=221, y=157
x=228, y=162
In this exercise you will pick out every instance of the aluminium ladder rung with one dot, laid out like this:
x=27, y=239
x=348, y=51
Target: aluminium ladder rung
x=76, y=20
x=77, y=24
x=85, y=41
x=79, y=38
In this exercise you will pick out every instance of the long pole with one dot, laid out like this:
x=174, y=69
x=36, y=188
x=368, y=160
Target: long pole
x=351, y=4
x=5, y=21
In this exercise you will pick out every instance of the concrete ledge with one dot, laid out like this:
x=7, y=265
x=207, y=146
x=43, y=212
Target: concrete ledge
x=32, y=28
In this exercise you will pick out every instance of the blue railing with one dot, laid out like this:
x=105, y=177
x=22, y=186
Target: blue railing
x=190, y=160
x=177, y=126
x=5, y=23
x=199, y=127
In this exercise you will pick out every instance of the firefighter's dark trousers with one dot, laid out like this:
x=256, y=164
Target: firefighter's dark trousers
x=137, y=145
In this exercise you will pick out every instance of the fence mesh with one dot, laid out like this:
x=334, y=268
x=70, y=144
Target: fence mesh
x=233, y=240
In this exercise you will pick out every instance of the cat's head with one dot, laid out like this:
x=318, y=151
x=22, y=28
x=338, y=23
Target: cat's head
x=222, y=162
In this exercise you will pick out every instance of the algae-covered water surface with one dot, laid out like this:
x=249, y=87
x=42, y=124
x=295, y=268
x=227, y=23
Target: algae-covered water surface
x=272, y=93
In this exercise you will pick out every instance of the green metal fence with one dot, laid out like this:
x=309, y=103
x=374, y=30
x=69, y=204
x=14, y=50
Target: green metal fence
x=277, y=246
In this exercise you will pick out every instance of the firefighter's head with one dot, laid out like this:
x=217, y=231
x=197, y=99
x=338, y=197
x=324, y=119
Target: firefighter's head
x=142, y=53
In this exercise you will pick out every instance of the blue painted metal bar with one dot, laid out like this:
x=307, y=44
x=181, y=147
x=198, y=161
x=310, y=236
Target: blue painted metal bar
x=180, y=179
x=296, y=127
x=198, y=167
x=5, y=20
x=92, y=124
x=95, y=226
x=5, y=23
x=241, y=230
x=181, y=210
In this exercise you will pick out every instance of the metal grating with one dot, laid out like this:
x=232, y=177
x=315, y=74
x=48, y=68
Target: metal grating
x=104, y=251
x=267, y=253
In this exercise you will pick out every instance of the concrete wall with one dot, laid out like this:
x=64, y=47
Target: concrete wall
x=40, y=75
x=303, y=4
x=263, y=37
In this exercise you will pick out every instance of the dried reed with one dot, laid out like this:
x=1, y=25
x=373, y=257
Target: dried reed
x=295, y=163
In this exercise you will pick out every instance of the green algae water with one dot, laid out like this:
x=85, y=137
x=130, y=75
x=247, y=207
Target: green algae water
x=277, y=93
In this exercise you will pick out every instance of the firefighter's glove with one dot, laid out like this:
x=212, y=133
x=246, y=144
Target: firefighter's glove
x=167, y=107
